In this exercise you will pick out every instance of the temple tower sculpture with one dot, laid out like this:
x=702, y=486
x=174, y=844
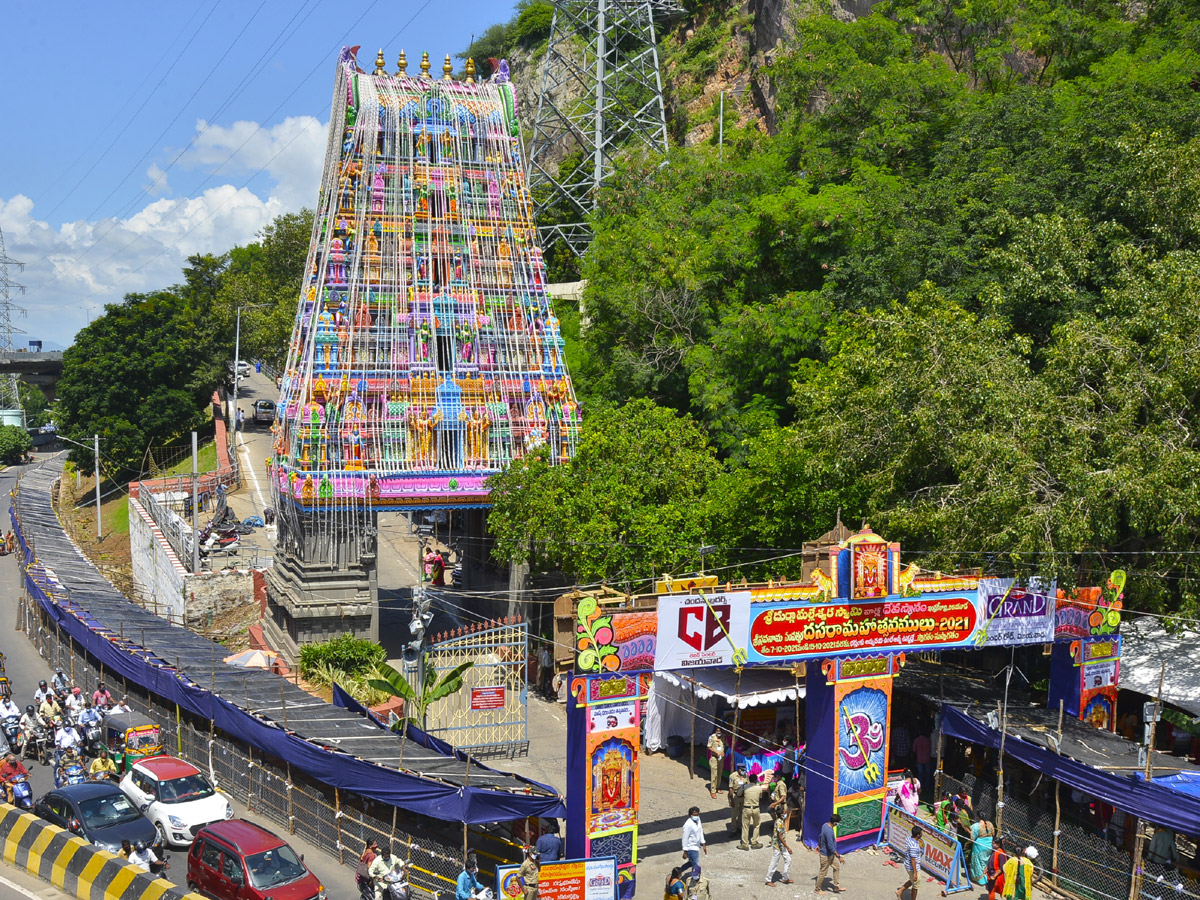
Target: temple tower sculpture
x=425, y=354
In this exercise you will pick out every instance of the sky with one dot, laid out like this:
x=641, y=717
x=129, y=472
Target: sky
x=136, y=134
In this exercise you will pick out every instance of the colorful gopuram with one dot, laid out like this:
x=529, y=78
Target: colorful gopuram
x=425, y=354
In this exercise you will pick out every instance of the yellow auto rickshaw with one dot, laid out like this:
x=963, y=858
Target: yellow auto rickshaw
x=130, y=736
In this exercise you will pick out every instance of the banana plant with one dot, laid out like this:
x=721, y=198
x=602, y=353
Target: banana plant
x=433, y=687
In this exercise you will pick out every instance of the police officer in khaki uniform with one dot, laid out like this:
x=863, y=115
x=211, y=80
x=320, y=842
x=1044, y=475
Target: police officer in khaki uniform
x=751, y=814
x=737, y=778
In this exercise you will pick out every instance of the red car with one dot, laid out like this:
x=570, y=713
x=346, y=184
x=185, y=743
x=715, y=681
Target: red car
x=237, y=860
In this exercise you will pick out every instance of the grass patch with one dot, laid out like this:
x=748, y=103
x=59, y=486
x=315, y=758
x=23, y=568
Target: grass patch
x=206, y=460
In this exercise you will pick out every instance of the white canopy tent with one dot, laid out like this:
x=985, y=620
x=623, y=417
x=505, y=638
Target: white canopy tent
x=669, y=705
x=1145, y=646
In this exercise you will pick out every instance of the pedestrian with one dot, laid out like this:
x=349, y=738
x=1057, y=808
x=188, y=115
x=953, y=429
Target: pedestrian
x=1018, y=875
x=737, y=781
x=828, y=853
x=777, y=798
x=716, y=761
x=752, y=793
x=909, y=793
x=1163, y=850
x=240, y=420
x=545, y=668
x=530, y=874
x=923, y=757
x=914, y=853
x=549, y=845
x=982, y=835
x=362, y=872
x=995, y=869
x=468, y=886
x=693, y=841
x=675, y=886
x=781, y=852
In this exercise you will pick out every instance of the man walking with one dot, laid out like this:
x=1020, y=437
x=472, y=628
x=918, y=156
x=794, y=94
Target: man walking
x=716, y=761
x=913, y=854
x=545, y=668
x=693, y=841
x=830, y=858
x=781, y=850
x=737, y=781
x=751, y=814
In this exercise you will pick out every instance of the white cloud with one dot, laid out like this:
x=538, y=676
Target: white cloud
x=292, y=153
x=76, y=266
x=158, y=181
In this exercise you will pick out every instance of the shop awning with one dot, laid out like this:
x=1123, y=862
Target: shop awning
x=757, y=686
x=1145, y=646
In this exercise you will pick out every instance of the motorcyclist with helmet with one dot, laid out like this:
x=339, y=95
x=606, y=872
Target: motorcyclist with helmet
x=60, y=683
x=43, y=691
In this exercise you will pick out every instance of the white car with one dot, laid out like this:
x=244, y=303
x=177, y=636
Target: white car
x=175, y=796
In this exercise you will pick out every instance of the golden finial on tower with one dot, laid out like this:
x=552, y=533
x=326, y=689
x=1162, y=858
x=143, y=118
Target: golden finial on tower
x=379, y=63
x=425, y=65
x=447, y=69
x=470, y=70
x=402, y=64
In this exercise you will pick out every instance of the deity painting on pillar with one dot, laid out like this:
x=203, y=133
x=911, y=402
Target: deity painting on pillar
x=870, y=571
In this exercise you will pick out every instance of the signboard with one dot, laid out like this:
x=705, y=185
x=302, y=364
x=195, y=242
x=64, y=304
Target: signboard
x=490, y=697
x=1099, y=660
x=695, y=631
x=566, y=879
x=789, y=631
x=1011, y=614
x=612, y=716
x=943, y=856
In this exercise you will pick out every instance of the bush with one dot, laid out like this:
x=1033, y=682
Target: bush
x=15, y=442
x=532, y=25
x=344, y=653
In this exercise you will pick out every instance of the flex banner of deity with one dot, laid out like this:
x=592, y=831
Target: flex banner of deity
x=612, y=789
x=860, y=766
x=1099, y=676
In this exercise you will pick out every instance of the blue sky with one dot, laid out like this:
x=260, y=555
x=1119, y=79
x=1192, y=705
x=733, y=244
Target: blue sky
x=138, y=133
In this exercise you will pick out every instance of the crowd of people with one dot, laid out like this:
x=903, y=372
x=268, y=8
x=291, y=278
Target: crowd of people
x=58, y=718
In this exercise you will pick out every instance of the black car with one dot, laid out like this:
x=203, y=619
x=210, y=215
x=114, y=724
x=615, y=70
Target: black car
x=97, y=812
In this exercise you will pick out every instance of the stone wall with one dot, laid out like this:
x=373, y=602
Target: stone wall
x=167, y=589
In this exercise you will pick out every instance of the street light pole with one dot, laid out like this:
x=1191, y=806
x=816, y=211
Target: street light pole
x=237, y=350
x=96, y=450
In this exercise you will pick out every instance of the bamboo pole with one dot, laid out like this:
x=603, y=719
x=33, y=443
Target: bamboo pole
x=692, y=745
x=1057, y=803
x=337, y=820
x=1000, y=770
x=1135, y=881
x=392, y=838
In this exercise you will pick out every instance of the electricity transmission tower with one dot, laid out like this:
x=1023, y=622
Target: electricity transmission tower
x=9, y=398
x=601, y=91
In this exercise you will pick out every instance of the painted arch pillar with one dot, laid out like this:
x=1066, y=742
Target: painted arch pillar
x=848, y=724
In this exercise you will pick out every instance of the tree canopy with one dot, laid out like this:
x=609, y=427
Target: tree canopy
x=952, y=295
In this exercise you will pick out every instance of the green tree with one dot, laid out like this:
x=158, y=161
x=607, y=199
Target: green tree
x=15, y=442
x=630, y=503
x=34, y=403
x=434, y=687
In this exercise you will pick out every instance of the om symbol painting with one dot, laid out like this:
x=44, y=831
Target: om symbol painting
x=862, y=712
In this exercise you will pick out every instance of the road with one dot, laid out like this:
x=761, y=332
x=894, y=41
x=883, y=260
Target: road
x=25, y=667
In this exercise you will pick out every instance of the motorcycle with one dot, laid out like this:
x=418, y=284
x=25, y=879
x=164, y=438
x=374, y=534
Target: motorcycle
x=13, y=734
x=71, y=773
x=215, y=545
x=22, y=792
x=43, y=745
x=93, y=740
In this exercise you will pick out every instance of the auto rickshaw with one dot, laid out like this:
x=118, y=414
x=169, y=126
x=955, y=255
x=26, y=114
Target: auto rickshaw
x=130, y=736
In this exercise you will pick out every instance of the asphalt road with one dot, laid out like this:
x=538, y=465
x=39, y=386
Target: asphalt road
x=25, y=667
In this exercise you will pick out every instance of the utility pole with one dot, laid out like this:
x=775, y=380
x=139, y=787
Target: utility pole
x=1135, y=882
x=195, y=507
x=418, y=638
x=96, y=451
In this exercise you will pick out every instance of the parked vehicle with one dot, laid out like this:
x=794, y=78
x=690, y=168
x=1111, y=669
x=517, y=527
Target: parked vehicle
x=264, y=412
x=237, y=860
x=130, y=736
x=98, y=812
x=176, y=797
x=22, y=792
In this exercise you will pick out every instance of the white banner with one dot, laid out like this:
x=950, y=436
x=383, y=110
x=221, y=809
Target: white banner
x=699, y=630
x=1024, y=616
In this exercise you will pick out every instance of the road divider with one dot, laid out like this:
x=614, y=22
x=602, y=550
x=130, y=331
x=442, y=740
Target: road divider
x=73, y=865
